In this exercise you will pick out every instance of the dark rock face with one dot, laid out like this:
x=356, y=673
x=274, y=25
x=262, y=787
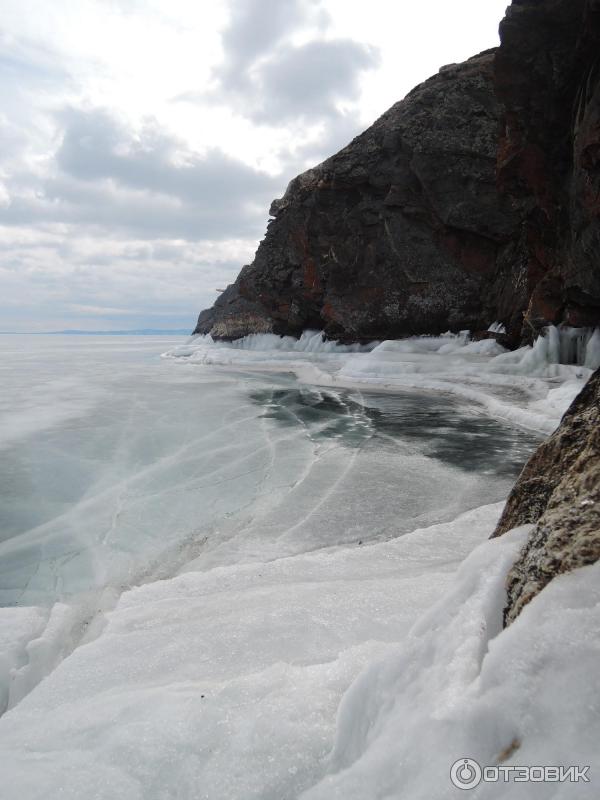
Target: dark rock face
x=395, y=235
x=474, y=199
x=559, y=489
x=547, y=77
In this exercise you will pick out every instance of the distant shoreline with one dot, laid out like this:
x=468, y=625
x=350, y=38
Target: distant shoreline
x=142, y=332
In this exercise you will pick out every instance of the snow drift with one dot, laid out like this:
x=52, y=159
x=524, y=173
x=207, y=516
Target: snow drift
x=461, y=687
x=224, y=684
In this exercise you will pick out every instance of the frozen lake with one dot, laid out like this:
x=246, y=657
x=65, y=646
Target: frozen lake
x=119, y=467
x=203, y=566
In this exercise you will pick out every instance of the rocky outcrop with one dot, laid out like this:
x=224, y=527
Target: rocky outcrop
x=547, y=77
x=474, y=199
x=559, y=490
x=397, y=234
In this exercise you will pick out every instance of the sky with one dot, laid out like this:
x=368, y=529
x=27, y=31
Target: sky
x=142, y=141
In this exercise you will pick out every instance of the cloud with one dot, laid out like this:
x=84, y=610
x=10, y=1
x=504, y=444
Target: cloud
x=118, y=204
x=255, y=28
x=96, y=146
x=120, y=284
x=126, y=225
x=270, y=77
x=308, y=81
x=144, y=183
x=25, y=63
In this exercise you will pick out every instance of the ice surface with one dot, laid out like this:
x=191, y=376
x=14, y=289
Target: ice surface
x=460, y=687
x=165, y=466
x=224, y=684
x=197, y=562
x=513, y=386
x=18, y=626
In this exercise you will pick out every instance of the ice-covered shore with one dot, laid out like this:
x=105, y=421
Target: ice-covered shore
x=273, y=649
x=528, y=387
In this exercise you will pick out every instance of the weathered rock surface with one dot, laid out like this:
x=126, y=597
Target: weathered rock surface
x=559, y=489
x=547, y=77
x=396, y=234
x=474, y=199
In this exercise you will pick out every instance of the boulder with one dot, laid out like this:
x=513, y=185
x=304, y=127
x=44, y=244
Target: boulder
x=559, y=491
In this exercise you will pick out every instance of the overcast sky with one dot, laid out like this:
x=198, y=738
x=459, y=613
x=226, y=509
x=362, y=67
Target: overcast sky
x=142, y=141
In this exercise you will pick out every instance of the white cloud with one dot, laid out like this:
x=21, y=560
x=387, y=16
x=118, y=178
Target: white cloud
x=118, y=201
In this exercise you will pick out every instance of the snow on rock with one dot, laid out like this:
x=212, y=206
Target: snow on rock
x=461, y=687
x=224, y=684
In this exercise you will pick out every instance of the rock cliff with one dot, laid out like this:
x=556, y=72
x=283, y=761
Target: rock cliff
x=474, y=199
x=396, y=234
x=547, y=78
x=559, y=490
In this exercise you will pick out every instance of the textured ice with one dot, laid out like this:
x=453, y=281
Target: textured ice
x=199, y=564
x=592, y=351
x=18, y=627
x=513, y=386
x=224, y=684
x=262, y=347
x=461, y=687
x=308, y=342
x=162, y=467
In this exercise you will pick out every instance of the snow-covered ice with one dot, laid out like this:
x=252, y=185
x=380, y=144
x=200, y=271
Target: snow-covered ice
x=224, y=683
x=144, y=467
x=460, y=687
x=203, y=557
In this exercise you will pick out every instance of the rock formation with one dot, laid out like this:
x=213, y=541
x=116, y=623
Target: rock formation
x=397, y=234
x=547, y=78
x=559, y=490
x=474, y=199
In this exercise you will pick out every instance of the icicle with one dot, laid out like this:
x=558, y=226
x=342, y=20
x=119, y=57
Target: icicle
x=592, y=351
x=571, y=346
